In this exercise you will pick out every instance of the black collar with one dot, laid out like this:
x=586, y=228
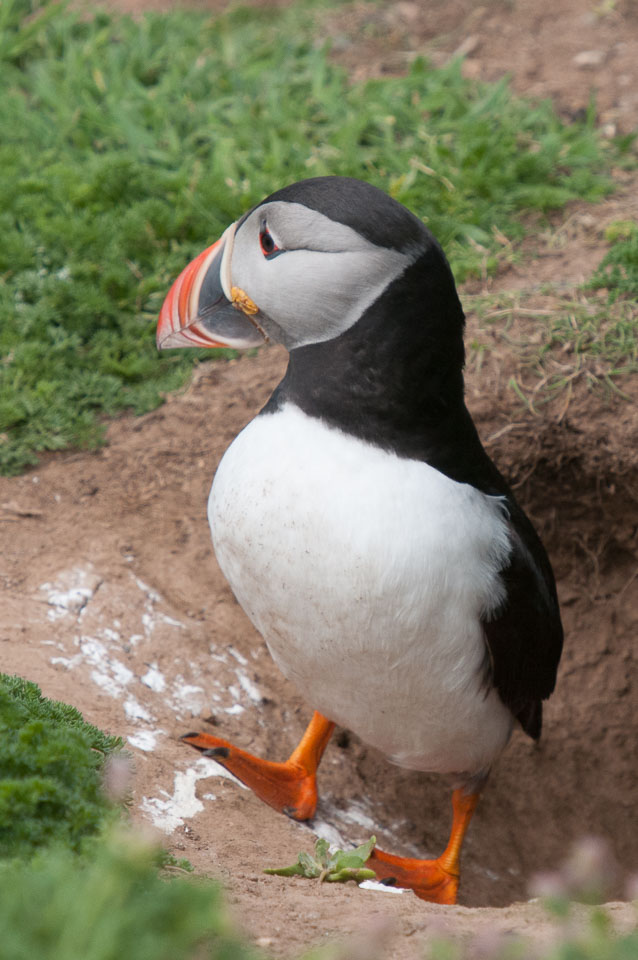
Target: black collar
x=395, y=378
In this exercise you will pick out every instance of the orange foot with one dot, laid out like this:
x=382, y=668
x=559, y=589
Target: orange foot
x=433, y=880
x=289, y=787
x=428, y=878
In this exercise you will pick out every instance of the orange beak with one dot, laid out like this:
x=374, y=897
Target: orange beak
x=197, y=311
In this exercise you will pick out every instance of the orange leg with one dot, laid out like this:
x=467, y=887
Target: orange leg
x=289, y=787
x=434, y=880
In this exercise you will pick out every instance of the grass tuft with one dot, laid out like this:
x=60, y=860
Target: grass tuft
x=618, y=272
x=560, y=341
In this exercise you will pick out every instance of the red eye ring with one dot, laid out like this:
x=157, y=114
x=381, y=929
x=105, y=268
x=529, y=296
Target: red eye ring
x=267, y=243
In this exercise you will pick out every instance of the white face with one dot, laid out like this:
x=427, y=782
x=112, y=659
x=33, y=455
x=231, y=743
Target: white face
x=321, y=282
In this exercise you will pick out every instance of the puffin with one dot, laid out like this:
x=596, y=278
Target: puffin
x=358, y=519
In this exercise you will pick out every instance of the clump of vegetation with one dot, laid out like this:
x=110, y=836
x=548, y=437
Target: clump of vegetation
x=565, y=341
x=129, y=145
x=52, y=763
x=338, y=866
x=76, y=883
x=618, y=271
x=110, y=905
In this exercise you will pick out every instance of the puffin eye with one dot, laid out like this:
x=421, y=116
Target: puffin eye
x=267, y=243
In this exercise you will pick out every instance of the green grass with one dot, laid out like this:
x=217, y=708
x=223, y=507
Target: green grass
x=112, y=905
x=76, y=883
x=564, y=339
x=52, y=766
x=559, y=342
x=127, y=146
x=618, y=272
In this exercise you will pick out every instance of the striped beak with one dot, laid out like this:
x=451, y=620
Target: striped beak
x=203, y=309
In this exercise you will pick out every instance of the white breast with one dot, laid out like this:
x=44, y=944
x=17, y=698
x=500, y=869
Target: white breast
x=367, y=575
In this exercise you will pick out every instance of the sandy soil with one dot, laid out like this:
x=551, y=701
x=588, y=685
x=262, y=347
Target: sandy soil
x=112, y=599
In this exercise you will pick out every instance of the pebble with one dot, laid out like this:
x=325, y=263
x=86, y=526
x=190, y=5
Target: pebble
x=589, y=58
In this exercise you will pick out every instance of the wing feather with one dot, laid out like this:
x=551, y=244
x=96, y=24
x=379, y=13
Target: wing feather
x=525, y=635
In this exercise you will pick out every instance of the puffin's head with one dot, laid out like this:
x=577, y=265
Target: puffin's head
x=299, y=268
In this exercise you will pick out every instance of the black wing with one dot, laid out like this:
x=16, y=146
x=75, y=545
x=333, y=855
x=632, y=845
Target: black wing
x=525, y=635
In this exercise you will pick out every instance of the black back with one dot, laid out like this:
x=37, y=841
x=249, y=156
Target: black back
x=395, y=380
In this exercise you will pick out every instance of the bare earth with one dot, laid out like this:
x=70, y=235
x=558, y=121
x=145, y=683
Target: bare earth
x=112, y=599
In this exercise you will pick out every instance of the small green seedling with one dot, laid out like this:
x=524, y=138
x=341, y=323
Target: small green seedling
x=337, y=867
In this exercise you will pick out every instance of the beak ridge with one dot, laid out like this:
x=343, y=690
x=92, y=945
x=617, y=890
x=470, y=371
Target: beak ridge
x=177, y=320
x=197, y=311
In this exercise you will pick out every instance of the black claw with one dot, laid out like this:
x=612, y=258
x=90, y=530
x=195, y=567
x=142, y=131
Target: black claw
x=292, y=813
x=389, y=881
x=185, y=736
x=217, y=753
